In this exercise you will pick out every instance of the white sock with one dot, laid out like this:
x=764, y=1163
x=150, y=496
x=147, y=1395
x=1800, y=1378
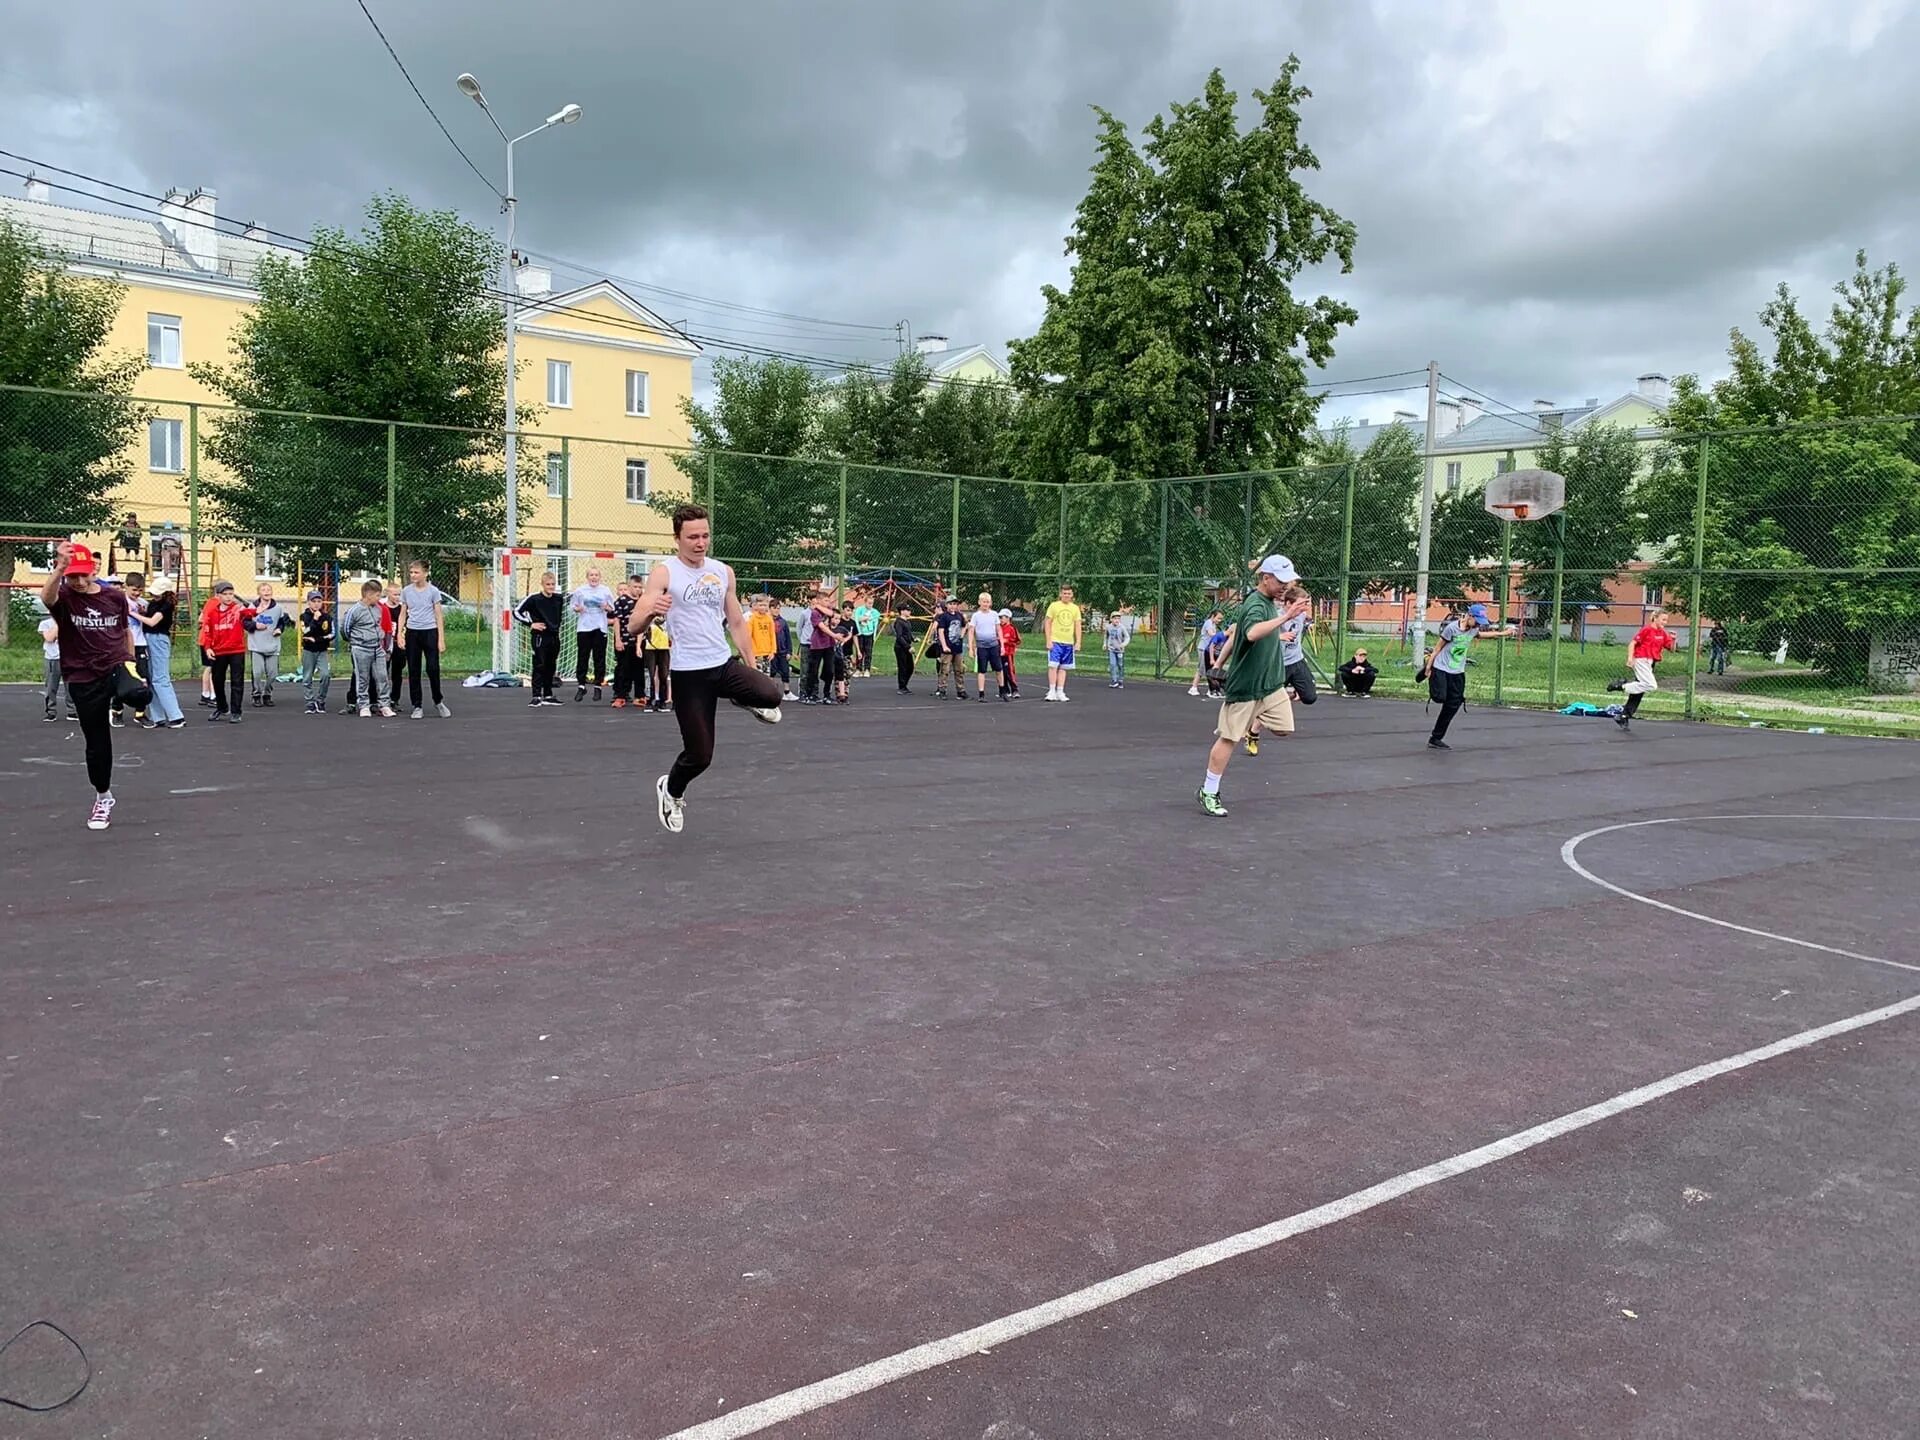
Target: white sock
x=1211, y=786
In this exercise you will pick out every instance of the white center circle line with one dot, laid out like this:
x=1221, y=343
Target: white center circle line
x=1573, y=863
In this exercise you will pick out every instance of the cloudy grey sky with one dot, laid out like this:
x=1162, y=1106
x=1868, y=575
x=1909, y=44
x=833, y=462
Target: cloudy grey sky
x=1551, y=197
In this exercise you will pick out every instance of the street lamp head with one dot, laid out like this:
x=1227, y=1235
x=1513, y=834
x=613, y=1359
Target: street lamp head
x=566, y=116
x=470, y=88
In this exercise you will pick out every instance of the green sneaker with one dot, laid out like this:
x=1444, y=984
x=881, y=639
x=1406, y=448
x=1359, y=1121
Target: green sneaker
x=1211, y=804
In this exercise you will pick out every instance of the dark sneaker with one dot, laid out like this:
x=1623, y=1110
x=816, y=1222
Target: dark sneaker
x=1438, y=745
x=1210, y=805
x=1622, y=721
x=596, y=694
x=1616, y=684
x=50, y=717
x=233, y=717
x=213, y=715
x=579, y=694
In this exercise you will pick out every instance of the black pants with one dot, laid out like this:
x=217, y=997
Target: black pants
x=1300, y=677
x=229, y=675
x=590, y=645
x=1357, y=684
x=821, y=665
x=423, y=645
x=903, y=661
x=546, y=659
x=866, y=652
x=397, y=669
x=696, y=696
x=629, y=677
x=91, y=699
x=781, y=667
x=659, y=664
x=1448, y=690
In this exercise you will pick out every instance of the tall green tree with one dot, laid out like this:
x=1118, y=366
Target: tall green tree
x=1386, y=513
x=1180, y=347
x=1599, y=531
x=753, y=459
x=399, y=322
x=61, y=456
x=1812, y=531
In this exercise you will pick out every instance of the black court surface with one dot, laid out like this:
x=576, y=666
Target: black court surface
x=953, y=1076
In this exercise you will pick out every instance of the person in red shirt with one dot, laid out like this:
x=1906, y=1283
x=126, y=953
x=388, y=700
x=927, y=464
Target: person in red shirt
x=1650, y=642
x=1009, y=642
x=223, y=635
x=96, y=639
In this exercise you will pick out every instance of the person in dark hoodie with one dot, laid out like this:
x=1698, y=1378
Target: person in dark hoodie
x=541, y=613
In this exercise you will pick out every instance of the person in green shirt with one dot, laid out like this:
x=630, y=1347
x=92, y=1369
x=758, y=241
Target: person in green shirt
x=1256, y=688
x=866, y=624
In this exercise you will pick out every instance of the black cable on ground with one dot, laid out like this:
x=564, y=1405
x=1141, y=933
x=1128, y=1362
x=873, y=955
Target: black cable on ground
x=78, y=1349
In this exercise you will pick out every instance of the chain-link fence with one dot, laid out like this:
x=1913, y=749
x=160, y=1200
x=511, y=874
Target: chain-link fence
x=1797, y=547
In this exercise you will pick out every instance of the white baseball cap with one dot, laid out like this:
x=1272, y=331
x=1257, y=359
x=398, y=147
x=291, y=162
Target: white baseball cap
x=1279, y=567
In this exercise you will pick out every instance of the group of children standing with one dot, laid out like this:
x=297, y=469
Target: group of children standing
x=602, y=617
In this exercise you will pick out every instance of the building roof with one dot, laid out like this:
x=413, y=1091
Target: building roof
x=132, y=242
x=945, y=362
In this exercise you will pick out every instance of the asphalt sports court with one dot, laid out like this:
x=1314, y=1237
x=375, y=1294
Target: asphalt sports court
x=952, y=1075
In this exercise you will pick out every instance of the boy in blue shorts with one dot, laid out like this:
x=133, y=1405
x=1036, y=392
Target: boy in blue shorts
x=1063, y=640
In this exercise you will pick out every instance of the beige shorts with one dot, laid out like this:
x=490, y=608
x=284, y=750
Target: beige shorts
x=1274, y=714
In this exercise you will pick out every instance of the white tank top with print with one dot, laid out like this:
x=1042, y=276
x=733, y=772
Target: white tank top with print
x=697, y=623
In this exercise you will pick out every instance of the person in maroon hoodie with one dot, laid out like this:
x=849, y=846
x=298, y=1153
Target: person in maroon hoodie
x=223, y=635
x=95, y=641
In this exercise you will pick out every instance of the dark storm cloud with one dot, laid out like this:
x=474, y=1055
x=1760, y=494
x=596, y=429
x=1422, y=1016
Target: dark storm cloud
x=1549, y=199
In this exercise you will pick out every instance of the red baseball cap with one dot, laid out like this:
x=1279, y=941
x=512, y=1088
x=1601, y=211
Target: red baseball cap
x=79, y=560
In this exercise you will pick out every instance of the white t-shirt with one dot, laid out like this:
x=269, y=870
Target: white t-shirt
x=697, y=623
x=592, y=605
x=50, y=638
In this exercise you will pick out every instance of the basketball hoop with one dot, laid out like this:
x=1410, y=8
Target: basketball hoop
x=1525, y=494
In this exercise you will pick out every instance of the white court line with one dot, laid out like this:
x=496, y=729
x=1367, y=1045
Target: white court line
x=199, y=790
x=759, y=1416
x=1573, y=864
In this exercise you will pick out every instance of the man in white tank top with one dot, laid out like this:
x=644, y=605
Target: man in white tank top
x=701, y=607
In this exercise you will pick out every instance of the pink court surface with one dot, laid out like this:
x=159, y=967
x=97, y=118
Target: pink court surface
x=953, y=1076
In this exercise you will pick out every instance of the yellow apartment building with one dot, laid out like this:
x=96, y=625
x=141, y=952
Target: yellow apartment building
x=602, y=375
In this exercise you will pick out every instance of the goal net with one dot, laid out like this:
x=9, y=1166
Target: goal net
x=516, y=575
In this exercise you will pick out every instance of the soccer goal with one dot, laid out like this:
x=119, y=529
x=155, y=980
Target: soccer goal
x=516, y=575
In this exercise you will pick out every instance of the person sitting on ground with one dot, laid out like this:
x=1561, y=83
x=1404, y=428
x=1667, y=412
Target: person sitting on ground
x=1357, y=675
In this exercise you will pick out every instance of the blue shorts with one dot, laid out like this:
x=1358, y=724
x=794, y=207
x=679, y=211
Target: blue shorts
x=986, y=659
x=1060, y=655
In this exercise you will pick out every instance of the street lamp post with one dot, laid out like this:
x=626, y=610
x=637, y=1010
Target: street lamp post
x=470, y=87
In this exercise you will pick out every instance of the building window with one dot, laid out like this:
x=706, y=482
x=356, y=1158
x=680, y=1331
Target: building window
x=266, y=562
x=636, y=482
x=1504, y=466
x=560, y=384
x=163, y=446
x=163, y=341
x=637, y=392
x=558, y=565
x=639, y=569
x=1453, y=477
x=556, y=474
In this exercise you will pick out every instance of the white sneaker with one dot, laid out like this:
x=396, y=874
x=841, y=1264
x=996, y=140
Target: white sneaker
x=765, y=714
x=442, y=711
x=1061, y=697
x=1053, y=694
x=1193, y=689
x=102, y=815
x=673, y=813
x=366, y=712
x=386, y=712
x=417, y=712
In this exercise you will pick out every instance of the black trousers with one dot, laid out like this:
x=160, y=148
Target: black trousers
x=91, y=699
x=546, y=659
x=1357, y=684
x=142, y=666
x=1300, y=677
x=821, y=667
x=590, y=645
x=696, y=696
x=659, y=665
x=781, y=667
x=866, y=652
x=1448, y=690
x=229, y=676
x=629, y=676
x=903, y=661
x=423, y=645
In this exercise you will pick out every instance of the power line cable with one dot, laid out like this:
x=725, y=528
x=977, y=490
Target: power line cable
x=423, y=100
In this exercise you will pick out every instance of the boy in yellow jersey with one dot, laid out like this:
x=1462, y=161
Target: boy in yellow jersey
x=760, y=629
x=1063, y=639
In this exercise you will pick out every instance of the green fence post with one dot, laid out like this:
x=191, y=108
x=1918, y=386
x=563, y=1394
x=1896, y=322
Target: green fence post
x=566, y=494
x=1160, y=605
x=1246, y=525
x=1553, y=618
x=840, y=531
x=393, y=465
x=1346, y=569
x=710, y=491
x=1693, y=580
x=955, y=590
x=1506, y=572
x=1061, y=563
x=193, y=501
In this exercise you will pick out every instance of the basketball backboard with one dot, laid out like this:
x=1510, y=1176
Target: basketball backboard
x=1525, y=494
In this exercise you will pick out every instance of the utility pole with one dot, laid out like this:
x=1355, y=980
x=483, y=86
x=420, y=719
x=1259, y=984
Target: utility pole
x=1426, y=517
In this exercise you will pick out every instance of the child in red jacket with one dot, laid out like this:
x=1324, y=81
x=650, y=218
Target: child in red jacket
x=1650, y=642
x=223, y=635
x=1009, y=642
